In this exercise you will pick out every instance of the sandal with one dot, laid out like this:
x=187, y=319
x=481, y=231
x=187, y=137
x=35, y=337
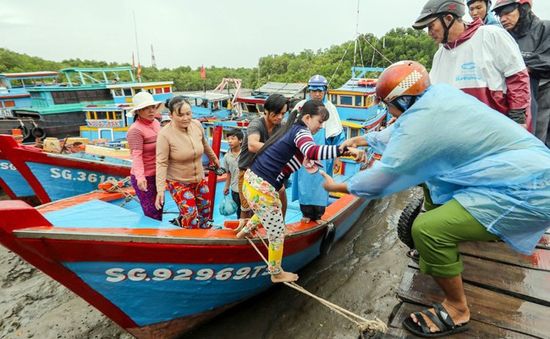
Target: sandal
x=413, y=254
x=441, y=319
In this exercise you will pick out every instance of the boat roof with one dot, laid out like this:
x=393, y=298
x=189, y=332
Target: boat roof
x=288, y=89
x=358, y=74
x=139, y=84
x=212, y=96
x=29, y=75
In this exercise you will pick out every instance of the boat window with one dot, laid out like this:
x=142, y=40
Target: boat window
x=127, y=92
x=101, y=115
x=334, y=99
x=158, y=90
x=9, y=103
x=358, y=100
x=118, y=92
x=354, y=132
x=118, y=115
x=167, y=90
x=150, y=90
x=369, y=101
x=346, y=100
x=1, y=104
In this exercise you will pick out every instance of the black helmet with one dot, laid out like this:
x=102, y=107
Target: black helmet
x=435, y=8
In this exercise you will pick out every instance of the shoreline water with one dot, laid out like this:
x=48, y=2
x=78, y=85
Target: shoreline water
x=361, y=273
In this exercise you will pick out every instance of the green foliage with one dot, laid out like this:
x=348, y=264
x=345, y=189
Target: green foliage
x=334, y=62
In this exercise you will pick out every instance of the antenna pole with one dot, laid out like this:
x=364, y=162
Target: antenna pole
x=356, y=35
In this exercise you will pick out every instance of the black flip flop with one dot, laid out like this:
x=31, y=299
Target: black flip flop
x=413, y=254
x=443, y=321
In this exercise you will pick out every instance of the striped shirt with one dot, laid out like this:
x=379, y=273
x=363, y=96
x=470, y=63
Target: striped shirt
x=276, y=163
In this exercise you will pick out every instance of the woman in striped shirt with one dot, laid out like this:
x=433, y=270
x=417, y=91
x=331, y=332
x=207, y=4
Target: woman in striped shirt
x=283, y=154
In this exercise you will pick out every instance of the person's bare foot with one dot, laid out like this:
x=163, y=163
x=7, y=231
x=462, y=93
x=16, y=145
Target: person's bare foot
x=458, y=314
x=284, y=277
x=305, y=220
x=320, y=221
x=242, y=223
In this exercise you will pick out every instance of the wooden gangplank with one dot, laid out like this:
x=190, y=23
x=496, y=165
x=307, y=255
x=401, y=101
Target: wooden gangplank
x=508, y=293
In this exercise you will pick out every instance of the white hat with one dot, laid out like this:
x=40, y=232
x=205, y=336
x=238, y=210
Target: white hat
x=141, y=100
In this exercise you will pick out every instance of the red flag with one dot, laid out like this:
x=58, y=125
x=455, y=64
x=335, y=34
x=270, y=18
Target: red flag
x=203, y=72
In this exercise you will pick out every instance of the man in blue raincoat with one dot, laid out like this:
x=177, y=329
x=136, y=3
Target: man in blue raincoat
x=306, y=187
x=489, y=176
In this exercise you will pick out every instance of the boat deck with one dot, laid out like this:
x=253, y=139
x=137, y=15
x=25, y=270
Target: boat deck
x=508, y=293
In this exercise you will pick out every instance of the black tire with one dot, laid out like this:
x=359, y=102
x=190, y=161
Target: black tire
x=38, y=132
x=404, y=225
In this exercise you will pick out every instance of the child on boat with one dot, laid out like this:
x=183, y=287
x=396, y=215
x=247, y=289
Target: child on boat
x=230, y=164
x=279, y=157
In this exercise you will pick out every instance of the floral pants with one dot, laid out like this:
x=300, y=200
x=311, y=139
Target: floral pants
x=193, y=201
x=264, y=200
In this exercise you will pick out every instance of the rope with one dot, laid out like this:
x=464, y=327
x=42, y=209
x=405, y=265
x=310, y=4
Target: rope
x=377, y=51
x=362, y=324
x=112, y=186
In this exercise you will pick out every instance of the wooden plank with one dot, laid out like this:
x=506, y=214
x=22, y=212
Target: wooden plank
x=527, y=284
x=477, y=328
x=486, y=306
x=498, y=251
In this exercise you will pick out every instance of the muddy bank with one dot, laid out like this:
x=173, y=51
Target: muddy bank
x=361, y=274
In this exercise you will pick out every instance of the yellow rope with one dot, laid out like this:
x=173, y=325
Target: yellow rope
x=362, y=324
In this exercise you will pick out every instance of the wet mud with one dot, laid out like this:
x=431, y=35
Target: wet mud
x=361, y=274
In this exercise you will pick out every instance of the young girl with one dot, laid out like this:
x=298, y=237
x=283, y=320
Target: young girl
x=280, y=156
x=180, y=146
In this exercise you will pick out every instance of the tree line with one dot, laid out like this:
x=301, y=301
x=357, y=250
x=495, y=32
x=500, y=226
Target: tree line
x=333, y=62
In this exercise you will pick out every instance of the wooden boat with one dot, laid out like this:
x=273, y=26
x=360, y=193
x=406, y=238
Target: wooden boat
x=60, y=108
x=56, y=176
x=355, y=102
x=152, y=278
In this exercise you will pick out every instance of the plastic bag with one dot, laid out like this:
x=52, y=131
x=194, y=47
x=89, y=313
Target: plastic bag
x=228, y=206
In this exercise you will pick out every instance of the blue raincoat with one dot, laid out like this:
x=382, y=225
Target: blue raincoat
x=306, y=187
x=463, y=149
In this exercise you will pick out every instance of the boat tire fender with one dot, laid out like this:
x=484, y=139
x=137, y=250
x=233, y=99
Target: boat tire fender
x=38, y=132
x=328, y=239
x=406, y=220
x=24, y=129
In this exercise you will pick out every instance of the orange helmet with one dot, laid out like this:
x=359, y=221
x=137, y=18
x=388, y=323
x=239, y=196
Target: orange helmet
x=402, y=78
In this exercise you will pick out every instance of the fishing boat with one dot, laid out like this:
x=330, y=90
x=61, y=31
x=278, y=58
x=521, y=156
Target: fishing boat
x=12, y=182
x=56, y=176
x=355, y=101
x=252, y=104
x=152, y=278
x=216, y=104
x=60, y=108
x=14, y=94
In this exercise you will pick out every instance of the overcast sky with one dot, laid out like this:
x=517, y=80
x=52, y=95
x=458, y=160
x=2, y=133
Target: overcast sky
x=229, y=33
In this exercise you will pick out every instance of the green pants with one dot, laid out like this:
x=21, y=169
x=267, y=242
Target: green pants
x=436, y=235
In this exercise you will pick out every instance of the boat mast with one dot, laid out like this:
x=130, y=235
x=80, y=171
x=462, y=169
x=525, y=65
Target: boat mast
x=137, y=46
x=356, y=35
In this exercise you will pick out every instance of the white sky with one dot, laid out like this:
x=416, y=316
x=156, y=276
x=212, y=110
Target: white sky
x=231, y=33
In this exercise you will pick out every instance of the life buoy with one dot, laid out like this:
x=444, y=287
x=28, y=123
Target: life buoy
x=328, y=239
